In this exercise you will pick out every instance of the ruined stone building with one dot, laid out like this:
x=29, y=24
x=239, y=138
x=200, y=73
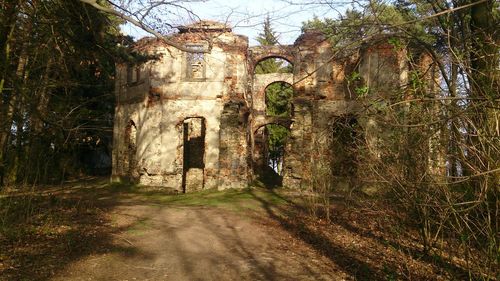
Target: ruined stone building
x=191, y=120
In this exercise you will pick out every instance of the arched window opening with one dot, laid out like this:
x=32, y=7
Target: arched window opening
x=132, y=134
x=279, y=99
x=131, y=148
x=273, y=65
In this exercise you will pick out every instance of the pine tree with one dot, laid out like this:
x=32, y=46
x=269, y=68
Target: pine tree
x=268, y=38
x=278, y=97
x=56, y=100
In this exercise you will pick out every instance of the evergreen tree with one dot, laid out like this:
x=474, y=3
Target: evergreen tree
x=57, y=88
x=278, y=96
x=268, y=38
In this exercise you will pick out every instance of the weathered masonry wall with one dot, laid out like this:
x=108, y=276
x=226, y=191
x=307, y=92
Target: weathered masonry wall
x=170, y=92
x=189, y=121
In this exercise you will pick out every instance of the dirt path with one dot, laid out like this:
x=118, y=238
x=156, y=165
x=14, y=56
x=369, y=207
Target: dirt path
x=158, y=242
x=91, y=230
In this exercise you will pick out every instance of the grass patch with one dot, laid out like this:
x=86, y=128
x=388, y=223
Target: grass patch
x=232, y=199
x=140, y=227
x=119, y=187
x=218, y=198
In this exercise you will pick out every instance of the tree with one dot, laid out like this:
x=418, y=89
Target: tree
x=145, y=11
x=57, y=87
x=439, y=150
x=278, y=99
x=268, y=38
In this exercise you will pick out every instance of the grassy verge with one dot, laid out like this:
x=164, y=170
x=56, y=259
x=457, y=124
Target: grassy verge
x=233, y=199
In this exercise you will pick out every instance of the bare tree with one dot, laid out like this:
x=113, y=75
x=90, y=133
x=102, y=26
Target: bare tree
x=143, y=12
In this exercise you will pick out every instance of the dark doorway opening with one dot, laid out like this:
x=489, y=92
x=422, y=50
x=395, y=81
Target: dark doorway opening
x=346, y=139
x=193, y=168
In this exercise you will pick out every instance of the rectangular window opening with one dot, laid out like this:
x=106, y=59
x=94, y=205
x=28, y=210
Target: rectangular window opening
x=195, y=63
x=133, y=74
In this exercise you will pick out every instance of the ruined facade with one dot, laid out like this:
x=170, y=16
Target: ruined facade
x=190, y=120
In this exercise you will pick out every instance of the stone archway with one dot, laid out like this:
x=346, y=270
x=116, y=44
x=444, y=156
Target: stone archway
x=269, y=152
x=260, y=83
x=260, y=53
x=260, y=119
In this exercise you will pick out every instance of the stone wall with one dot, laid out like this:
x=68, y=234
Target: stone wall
x=233, y=156
x=159, y=100
x=165, y=97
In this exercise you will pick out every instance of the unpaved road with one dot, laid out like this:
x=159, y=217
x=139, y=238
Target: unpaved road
x=158, y=242
x=91, y=230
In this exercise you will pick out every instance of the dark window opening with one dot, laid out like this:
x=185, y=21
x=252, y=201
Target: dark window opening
x=131, y=143
x=131, y=134
x=344, y=145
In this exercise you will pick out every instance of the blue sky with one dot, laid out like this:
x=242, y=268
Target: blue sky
x=246, y=17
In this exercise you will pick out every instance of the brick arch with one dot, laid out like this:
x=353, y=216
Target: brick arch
x=260, y=84
x=260, y=53
x=285, y=122
x=279, y=78
x=282, y=79
x=265, y=80
x=262, y=58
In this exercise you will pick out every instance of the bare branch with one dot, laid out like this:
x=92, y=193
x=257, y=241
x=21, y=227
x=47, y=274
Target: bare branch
x=141, y=25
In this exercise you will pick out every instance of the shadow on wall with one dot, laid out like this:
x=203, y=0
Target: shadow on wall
x=174, y=154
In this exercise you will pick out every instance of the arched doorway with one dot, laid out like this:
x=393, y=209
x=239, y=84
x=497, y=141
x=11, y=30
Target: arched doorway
x=272, y=95
x=270, y=153
x=130, y=161
x=346, y=138
x=261, y=53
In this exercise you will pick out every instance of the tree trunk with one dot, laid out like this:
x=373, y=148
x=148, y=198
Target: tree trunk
x=37, y=148
x=7, y=27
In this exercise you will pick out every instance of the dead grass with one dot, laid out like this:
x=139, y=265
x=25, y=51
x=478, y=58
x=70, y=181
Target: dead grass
x=39, y=234
x=43, y=231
